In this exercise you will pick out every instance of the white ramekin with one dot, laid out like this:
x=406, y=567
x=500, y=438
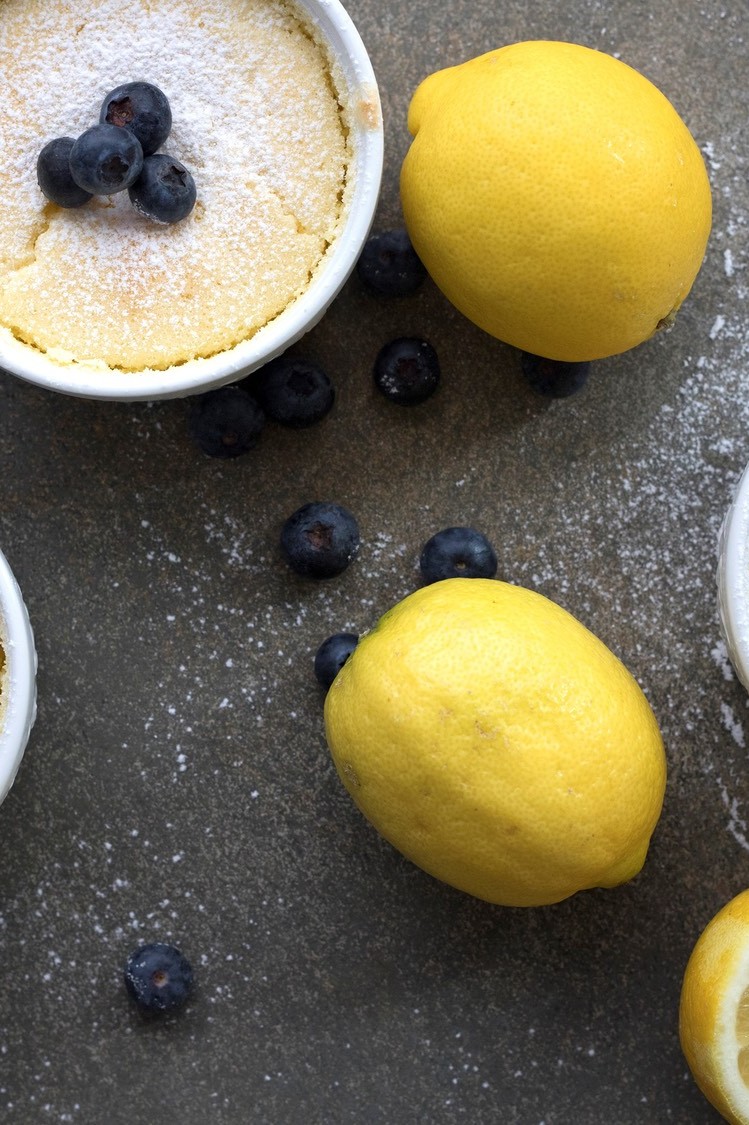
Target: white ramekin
x=18, y=678
x=733, y=579
x=346, y=48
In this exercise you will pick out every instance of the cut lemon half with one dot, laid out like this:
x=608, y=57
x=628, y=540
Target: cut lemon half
x=714, y=1011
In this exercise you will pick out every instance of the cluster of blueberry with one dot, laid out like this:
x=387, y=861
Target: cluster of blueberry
x=119, y=154
x=296, y=392
x=454, y=552
x=289, y=390
x=407, y=370
x=228, y=421
x=320, y=539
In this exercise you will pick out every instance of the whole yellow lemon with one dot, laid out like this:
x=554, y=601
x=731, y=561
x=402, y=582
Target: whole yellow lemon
x=556, y=198
x=492, y=739
x=714, y=1011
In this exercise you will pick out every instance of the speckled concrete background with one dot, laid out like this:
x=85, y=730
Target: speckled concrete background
x=177, y=784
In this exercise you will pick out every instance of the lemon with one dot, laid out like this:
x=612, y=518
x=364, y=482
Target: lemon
x=556, y=197
x=714, y=1011
x=498, y=744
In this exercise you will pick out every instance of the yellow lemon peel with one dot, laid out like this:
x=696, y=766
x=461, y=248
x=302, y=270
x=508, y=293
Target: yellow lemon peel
x=556, y=197
x=498, y=744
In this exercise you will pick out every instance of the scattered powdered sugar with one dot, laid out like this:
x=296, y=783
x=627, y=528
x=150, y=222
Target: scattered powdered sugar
x=736, y=823
x=718, y=326
x=732, y=724
x=720, y=655
x=705, y=438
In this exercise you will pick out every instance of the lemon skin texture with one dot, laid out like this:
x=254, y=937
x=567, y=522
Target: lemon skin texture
x=556, y=198
x=498, y=744
x=714, y=1011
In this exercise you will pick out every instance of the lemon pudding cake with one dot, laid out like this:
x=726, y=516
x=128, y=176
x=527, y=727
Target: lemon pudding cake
x=257, y=117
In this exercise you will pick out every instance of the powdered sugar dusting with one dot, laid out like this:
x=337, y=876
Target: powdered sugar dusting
x=703, y=437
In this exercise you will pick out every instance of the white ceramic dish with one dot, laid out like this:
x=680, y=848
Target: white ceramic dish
x=733, y=579
x=338, y=31
x=17, y=680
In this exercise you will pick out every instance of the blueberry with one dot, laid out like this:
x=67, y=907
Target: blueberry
x=553, y=377
x=226, y=422
x=141, y=108
x=53, y=174
x=105, y=159
x=165, y=190
x=407, y=371
x=389, y=266
x=158, y=977
x=319, y=540
x=457, y=552
x=292, y=391
x=332, y=655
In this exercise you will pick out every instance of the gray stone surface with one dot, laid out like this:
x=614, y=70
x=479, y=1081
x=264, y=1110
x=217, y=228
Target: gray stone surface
x=177, y=785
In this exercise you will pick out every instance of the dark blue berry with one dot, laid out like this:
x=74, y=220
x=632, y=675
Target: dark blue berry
x=389, y=266
x=332, y=655
x=226, y=422
x=457, y=552
x=158, y=977
x=407, y=371
x=105, y=160
x=553, y=377
x=319, y=540
x=292, y=391
x=53, y=174
x=165, y=190
x=143, y=109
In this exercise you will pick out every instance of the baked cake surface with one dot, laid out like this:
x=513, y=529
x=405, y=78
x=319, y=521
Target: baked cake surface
x=256, y=119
